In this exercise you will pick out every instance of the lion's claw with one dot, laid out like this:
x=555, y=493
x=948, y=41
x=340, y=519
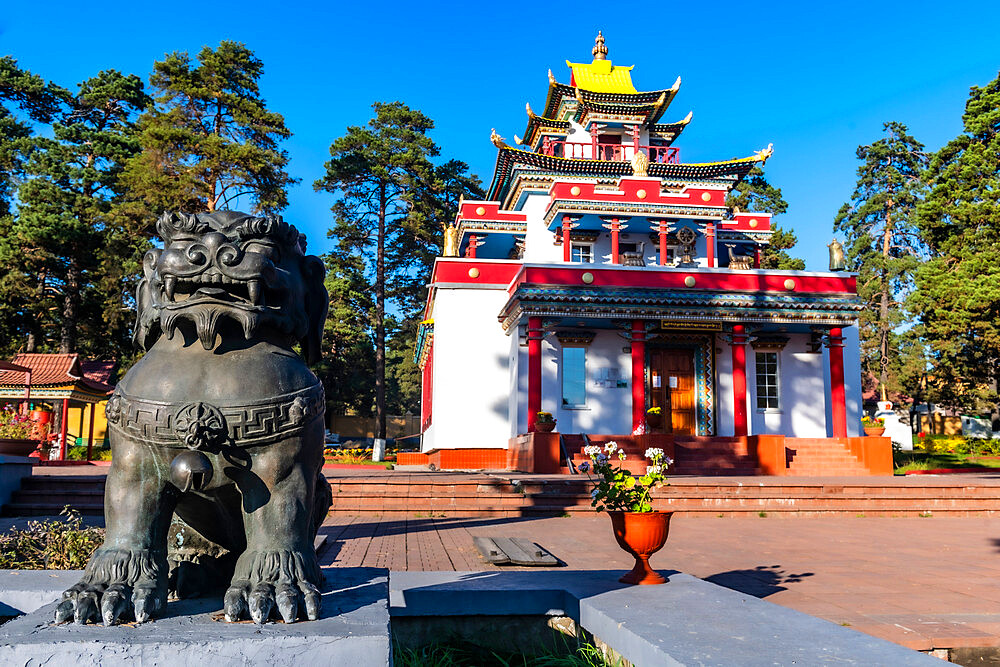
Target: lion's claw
x=261, y=602
x=235, y=602
x=114, y=603
x=287, y=599
x=312, y=600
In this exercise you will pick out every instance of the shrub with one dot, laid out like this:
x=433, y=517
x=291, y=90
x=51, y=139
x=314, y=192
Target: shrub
x=57, y=544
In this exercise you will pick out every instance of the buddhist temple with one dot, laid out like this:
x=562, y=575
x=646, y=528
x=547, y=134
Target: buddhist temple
x=606, y=282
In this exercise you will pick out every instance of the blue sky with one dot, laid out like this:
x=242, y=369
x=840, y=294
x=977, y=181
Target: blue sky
x=815, y=79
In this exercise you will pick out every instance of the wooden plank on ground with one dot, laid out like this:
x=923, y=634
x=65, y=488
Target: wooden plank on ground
x=490, y=550
x=525, y=552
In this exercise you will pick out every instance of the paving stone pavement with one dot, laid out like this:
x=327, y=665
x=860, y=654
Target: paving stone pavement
x=925, y=583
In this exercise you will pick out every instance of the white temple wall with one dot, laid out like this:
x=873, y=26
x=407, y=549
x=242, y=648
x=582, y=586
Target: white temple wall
x=471, y=376
x=800, y=387
x=539, y=243
x=608, y=406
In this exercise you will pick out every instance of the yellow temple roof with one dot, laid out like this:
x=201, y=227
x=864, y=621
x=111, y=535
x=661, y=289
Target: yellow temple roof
x=601, y=76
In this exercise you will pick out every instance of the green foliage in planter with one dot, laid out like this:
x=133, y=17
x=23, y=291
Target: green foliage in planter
x=57, y=544
x=79, y=453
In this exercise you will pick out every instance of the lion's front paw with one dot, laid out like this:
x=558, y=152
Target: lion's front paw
x=117, y=584
x=269, y=580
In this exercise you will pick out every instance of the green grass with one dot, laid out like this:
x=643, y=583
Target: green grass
x=920, y=460
x=460, y=654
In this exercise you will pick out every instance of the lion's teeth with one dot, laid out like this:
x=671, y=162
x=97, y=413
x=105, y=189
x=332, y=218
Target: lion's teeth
x=169, y=285
x=253, y=289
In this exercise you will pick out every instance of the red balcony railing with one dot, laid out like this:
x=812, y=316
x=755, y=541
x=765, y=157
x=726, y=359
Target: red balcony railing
x=609, y=152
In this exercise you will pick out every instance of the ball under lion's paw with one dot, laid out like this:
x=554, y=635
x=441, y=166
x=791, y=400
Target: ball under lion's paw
x=117, y=585
x=269, y=581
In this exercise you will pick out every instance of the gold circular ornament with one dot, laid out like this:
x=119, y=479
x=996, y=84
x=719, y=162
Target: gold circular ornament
x=473, y=272
x=575, y=190
x=789, y=284
x=480, y=211
x=641, y=194
x=706, y=196
x=588, y=277
x=690, y=281
x=753, y=222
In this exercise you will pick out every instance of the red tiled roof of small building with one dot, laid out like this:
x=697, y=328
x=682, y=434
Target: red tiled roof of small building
x=51, y=370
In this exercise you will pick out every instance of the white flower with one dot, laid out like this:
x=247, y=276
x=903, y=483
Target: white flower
x=654, y=470
x=653, y=452
x=611, y=446
x=621, y=456
x=583, y=467
x=592, y=450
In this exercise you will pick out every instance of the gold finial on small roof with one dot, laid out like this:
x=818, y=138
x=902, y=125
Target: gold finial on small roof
x=687, y=118
x=497, y=139
x=552, y=79
x=763, y=155
x=600, y=51
x=527, y=107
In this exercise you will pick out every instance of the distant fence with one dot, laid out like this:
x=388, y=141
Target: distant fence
x=396, y=426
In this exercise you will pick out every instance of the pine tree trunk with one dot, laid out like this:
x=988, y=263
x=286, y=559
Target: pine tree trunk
x=67, y=339
x=380, y=317
x=884, y=305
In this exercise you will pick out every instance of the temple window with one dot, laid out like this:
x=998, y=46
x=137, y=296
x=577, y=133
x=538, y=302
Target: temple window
x=582, y=252
x=766, y=367
x=574, y=377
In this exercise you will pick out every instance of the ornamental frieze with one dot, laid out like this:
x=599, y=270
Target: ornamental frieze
x=204, y=426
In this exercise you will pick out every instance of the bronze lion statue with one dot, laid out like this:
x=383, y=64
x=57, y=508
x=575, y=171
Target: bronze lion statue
x=217, y=432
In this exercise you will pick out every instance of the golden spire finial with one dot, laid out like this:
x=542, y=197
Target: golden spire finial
x=600, y=51
x=552, y=79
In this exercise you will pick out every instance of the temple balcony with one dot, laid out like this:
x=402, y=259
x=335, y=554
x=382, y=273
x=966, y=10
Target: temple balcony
x=608, y=152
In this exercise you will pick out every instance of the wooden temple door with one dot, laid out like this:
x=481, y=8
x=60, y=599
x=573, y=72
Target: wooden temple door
x=672, y=388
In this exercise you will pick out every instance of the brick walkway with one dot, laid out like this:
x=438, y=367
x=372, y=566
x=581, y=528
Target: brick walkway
x=923, y=583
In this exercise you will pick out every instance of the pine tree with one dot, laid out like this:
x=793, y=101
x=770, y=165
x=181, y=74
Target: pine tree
x=210, y=141
x=25, y=99
x=883, y=244
x=64, y=226
x=958, y=288
x=388, y=199
x=754, y=193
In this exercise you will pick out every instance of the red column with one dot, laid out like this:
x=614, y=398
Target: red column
x=739, y=380
x=710, y=243
x=473, y=244
x=661, y=227
x=62, y=430
x=567, y=249
x=615, y=259
x=638, y=374
x=90, y=435
x=534, y=370
x=635, y=139
x=838, y=398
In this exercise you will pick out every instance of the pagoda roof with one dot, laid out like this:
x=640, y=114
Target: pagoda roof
x=509, y=158
x=601, y=76
x=538, y=124
x=559, y=92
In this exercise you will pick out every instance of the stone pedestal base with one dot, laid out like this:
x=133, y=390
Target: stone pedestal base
x=353, y=629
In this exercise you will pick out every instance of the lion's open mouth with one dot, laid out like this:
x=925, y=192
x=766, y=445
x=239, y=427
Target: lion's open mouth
x=214, y=287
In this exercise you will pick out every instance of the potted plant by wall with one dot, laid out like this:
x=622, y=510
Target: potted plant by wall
x=544, y=422
x=18, y=433
x=654, y=417
x=873, y=426
x=639, y=529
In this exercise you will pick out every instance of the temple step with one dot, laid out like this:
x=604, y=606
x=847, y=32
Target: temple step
x=48, y=495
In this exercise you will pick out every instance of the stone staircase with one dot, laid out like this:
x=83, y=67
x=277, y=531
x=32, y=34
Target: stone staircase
x=523, y=495
x=821, y=457
x=712, y=456
x=47, y=495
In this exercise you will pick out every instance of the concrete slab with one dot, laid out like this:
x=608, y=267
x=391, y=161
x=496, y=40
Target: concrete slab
x=353, y=630
x=687, y=621
x=12, y=470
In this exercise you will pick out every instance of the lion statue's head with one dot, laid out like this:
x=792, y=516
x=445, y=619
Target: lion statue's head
x=228, y=268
